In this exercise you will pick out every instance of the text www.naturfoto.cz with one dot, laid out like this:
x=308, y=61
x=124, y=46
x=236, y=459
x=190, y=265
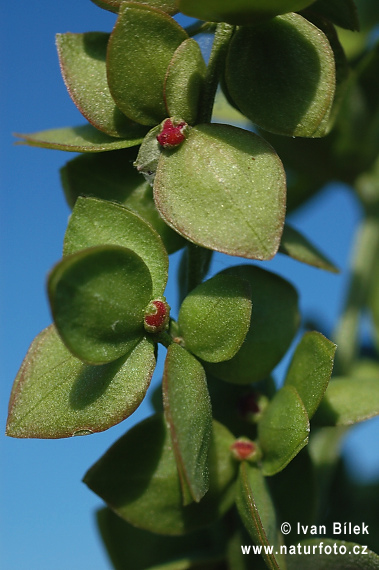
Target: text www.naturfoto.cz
x=306, y=549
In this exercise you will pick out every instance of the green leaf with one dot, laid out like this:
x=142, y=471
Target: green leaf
x=281, y=75
x=297, y=246
x=274, y=321
x=98, y=296
x=311, y=368
x=348, y=401
x=342, y=13
x=139, y=480
x=112, y=176
x=188, y=413
x=98, y=222
x=148, y=154
x=257, y=512
x=130, y=547
x=184, y=81
x=82, y=62
x=56, y=395
x=239, y=11
x=223, y=189
x=79, y=139
x=168, y=6
x=140, y=49
x=283, y=430
x=331, y=554
x=215, y=317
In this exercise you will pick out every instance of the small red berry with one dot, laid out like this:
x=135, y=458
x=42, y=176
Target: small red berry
x=172, y=134
x=245, y=449
x=157, y=316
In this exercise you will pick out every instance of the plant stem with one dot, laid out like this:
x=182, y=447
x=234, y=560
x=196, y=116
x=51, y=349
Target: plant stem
x=198, y=260
x=200, y=27
x=216, y=63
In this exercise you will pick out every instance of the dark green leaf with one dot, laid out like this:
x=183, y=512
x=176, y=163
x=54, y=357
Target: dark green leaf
x=188, y=413
x=140, y=49
x=215, y=317
x=331, y=554
x=342, y=13
x=98, y=222
x=98, y=296
x=311, y=368
x=56, y=395
x=281, y=75
x=82, y=62
x=274, y=322
x=295, y=245
x=168, y=6
x=257, y=511
x=283, y=430
x=348, y=401
x=239, y=11
x=79, y=139
x=184, y=81
x=224, y=189
x=139, y=480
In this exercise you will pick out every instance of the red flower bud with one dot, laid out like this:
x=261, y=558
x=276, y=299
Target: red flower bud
x=157, y=316
x=172, y=134
x=245, y=449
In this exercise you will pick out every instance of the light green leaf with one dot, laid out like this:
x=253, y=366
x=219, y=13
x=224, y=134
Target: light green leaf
x=257, y=512
x=148, y=154
x=140, y=49
x=331, y=554
x=141, y=482
x=188, y=413
x=348, y=401
x=274, y=321
x=98, y=296
x=184, y=81
x=297, y=246
x=281, y=75
x=239, y=11
x=79, y=139
x=55, y=395
x=215, y=317
x=311, y=368
x=168, y=6
x=283, y=430
x=224, y=189
x=98, y=222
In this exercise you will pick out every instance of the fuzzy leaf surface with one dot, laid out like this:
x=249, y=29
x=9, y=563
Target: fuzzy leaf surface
x=215, y=317
x=297, y=246
x=55, y=395
x=98, y=222
x=98, y=296
x=367, y=561
x=224, y=189
x=281, y=75
x=140, y=49
x=138, y=478
x=188, y=413
x=311, y=368
x=283, y=430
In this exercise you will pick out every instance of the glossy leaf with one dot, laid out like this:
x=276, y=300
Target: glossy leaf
x=112, y=176
x=331, y=554
x=224, y=189
x=257, y=511
x=114, y=5
x=274, y=322
x=348, y=401
x=184, y=81
x=98, y=296
x=82, y=62
x=188, y=413
x=296, y=245
x=131, y=547
x=55, y=395
x=342, y=13
x=239, y=11
x=311, y=368
x=98, y=222
x=281, y=75
x=215, y=317
x=140, y=49
x=138, y=479
x=79, y=139
x=283, y=430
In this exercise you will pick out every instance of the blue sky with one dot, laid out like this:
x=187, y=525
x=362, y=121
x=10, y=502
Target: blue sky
x=46, y=513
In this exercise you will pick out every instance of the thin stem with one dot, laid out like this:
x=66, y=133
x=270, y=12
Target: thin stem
x=163, y=338
x=198, y=260
x=200, y=27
